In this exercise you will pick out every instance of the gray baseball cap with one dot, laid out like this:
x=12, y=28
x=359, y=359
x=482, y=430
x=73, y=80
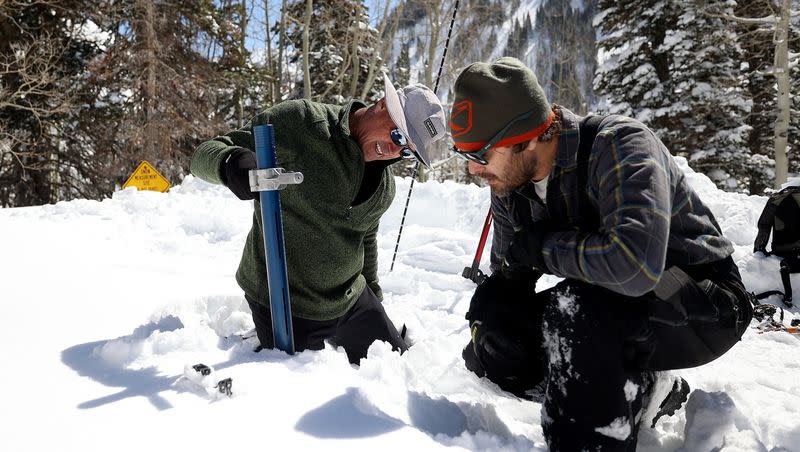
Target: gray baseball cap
x=417, y=112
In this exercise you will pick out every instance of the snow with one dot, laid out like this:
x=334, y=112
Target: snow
x=105, y=304
x=90, y=31
x=631, y=389
x=620, y=428
x=791, y=183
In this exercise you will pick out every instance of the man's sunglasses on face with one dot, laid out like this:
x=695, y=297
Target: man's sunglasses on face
x=479, y=156
x=399, y=139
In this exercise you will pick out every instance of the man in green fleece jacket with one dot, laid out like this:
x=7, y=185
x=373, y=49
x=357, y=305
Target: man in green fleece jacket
x=331, y=219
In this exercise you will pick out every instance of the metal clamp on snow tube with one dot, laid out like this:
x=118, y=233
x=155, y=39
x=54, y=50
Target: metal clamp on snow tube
x=271, y=179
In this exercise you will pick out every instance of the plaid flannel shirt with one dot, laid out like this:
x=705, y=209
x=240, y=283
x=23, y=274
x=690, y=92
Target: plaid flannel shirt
x=650, y=218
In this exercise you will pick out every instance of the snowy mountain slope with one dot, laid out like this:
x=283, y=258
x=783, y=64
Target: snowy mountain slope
x=106, y=303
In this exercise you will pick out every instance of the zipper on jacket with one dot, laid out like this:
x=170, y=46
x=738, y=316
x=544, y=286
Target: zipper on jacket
x=348, y=213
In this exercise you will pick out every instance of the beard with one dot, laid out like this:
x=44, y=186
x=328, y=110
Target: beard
x=518, y=171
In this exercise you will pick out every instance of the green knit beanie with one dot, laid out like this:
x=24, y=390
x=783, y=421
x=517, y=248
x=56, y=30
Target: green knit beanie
x=488, y=96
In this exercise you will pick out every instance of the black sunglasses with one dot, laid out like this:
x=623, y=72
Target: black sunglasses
x=479, y=156
x=399, y=139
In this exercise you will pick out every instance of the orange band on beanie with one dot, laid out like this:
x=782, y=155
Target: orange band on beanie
x=509, y=141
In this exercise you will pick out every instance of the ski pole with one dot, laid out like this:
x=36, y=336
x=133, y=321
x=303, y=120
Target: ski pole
x=268, y=180
x=474, y=273
x=416, y=164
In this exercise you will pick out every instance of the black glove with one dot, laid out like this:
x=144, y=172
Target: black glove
x=237, y=173
x=525, y=250
x=505, y=331
x=501, y=305
x=499, y=298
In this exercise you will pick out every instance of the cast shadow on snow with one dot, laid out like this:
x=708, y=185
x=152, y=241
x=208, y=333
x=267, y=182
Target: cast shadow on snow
x=134, y=383
x=85, y=360
x=353, y=415
x=106, y=362
x=714, y=423
x=439, y=416
x=349, y=415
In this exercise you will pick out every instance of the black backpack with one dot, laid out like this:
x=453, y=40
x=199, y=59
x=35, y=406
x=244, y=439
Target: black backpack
x=781, y=217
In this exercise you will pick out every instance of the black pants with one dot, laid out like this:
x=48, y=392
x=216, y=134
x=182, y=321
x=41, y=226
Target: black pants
x=600, y=350
x=364, y=323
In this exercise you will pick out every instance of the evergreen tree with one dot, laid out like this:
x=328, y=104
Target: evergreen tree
x=676, y=66
x=707, y=108
x=794, y=124
x=754, y=40
x=634, y=76
x=165, y=90
x=402, y=69
x=565, y=59
x=519, y=39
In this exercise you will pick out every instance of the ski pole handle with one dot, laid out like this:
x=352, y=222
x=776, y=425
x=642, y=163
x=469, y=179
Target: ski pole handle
x=474, y=273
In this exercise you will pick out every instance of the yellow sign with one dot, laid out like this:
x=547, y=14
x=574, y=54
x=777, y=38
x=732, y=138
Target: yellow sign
x=147, y=178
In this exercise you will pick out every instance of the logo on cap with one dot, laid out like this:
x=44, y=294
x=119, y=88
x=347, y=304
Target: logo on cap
x=431, y=129
x=461, y=118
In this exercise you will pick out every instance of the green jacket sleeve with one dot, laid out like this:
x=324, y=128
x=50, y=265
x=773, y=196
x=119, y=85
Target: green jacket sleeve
x=370, y=270
x=209, y=156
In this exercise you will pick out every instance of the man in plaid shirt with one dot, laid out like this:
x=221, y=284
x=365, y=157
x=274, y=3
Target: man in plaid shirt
x=649, y=284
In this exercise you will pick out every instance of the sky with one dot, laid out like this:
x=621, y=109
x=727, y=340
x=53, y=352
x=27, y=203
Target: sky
x=107, y=305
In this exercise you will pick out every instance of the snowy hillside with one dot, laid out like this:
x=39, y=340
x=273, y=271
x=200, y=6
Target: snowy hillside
x=554, y=38
x=106, y=303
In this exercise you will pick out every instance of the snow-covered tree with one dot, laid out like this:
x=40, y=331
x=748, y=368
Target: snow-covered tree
x=756, y=64
x=676, y=66
x=633, y=74
x=555, y=38
x=707, y=106
x=793, y=146
x=775, y=18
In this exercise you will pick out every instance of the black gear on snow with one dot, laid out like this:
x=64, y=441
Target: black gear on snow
x=781, y=217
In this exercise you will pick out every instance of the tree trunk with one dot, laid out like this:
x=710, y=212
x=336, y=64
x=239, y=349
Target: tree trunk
x=356, y=56
x=781, y=71
x=242, y=63
x=435, y=23
x=306, y=71
x=386, y=41
x=148, y=34
x=281, y=46
x=434, y=13
x=270, y=63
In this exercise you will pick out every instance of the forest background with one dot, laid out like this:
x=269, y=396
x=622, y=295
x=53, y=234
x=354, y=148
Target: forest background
x=90, y=88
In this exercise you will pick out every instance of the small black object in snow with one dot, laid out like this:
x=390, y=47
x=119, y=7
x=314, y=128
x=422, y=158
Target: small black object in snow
x=202, y=369
x=225, y=386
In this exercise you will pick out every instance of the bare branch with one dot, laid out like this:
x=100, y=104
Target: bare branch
x=766, y=20
x=12, y=5
x=30, y=74
x=751, y=20
x=387, y=39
